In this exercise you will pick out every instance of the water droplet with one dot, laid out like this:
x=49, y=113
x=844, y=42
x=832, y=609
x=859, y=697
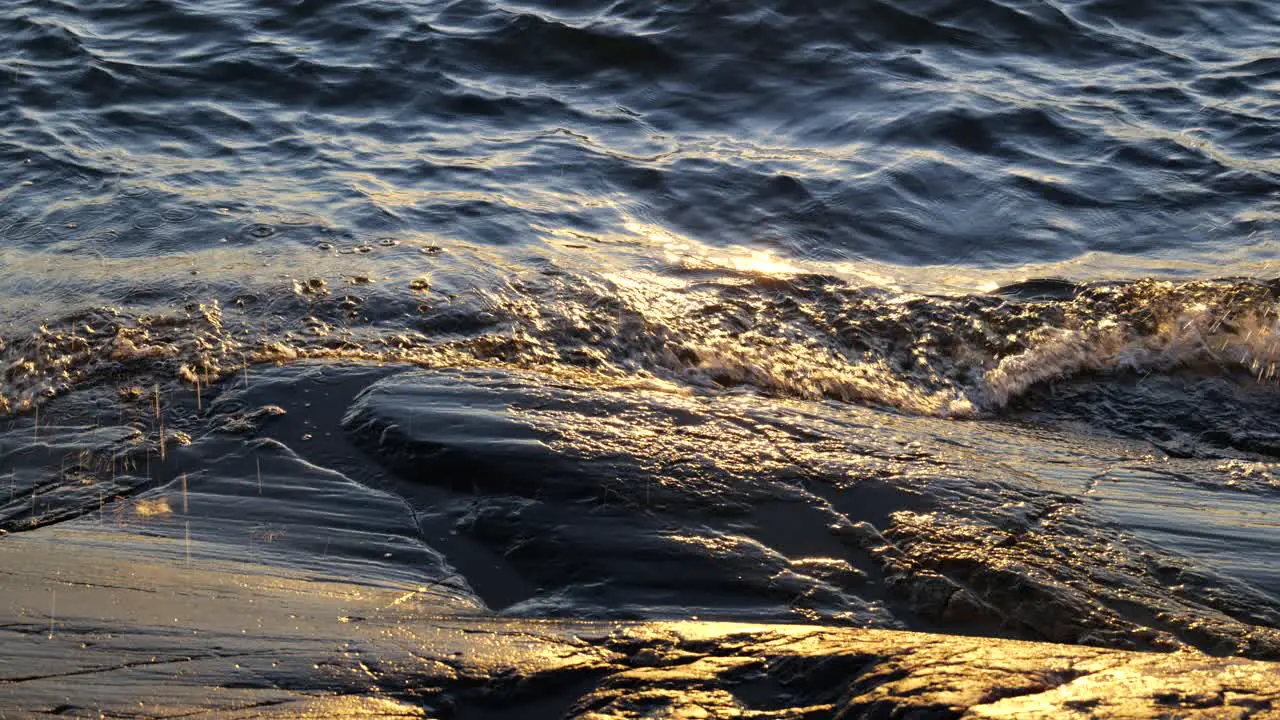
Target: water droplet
x=148, y=221
x=260, y=230
x=178, y=215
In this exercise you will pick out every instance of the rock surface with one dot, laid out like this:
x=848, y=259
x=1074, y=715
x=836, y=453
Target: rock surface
x=87, y=633
x=344, y=540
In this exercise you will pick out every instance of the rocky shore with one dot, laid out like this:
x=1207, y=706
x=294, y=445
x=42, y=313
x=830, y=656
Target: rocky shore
x=87, y=633
x=327, y=540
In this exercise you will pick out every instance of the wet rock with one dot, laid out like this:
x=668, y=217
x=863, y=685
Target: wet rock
x=1104, y=595
x=994, y=552
x=602, y=562
x=557, y=500
x=455, y=431
x=562, y=499
x=577, y=497
x=515, y=433
x=223, y=638
x=1040, y=289
x=249, y=421
x=802, y=673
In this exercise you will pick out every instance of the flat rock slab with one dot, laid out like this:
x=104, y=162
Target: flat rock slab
x=100, y=624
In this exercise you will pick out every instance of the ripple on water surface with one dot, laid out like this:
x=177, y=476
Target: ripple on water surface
x=889, y=131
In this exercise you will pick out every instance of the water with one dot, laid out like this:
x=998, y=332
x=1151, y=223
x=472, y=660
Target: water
x=914, y=314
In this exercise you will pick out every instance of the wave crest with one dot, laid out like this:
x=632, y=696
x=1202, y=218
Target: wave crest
x=695, y=331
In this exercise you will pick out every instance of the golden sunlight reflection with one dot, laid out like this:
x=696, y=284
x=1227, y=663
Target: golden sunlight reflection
x=39, y=283
x=756, y=262
x=355, y=706
x=685, y=252
x=152, y=507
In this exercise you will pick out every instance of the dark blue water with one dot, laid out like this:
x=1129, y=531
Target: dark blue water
x=905, y=132
x=910, y=313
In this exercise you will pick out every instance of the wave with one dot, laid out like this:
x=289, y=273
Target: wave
x=689, y=328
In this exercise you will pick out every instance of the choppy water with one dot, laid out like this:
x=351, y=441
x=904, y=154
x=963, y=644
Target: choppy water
x=745, y=302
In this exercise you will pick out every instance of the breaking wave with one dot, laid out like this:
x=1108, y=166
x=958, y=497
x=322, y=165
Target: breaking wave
x=697, y=329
